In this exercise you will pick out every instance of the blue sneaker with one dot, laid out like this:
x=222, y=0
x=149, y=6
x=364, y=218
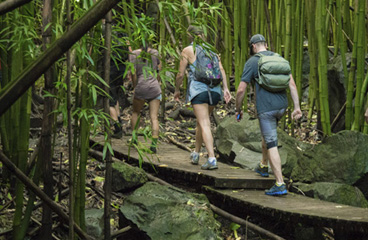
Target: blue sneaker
x=262, y=170
x=209, y=165
x=277, y=190
x=194, y=157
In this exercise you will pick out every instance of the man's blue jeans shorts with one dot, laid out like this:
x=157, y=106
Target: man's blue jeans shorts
x=268, y=124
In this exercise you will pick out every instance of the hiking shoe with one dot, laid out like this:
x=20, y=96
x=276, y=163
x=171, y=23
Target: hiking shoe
x=262, y=170
x=153, y=149
x=194, y=157
x=277, y=190
x=209, y=166
x=117, y=135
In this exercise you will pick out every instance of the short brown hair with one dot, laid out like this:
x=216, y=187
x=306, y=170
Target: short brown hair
x=196, y=30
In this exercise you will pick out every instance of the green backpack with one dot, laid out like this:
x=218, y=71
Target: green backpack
x=273, y=72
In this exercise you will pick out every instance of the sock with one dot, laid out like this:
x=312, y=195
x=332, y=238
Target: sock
x=117, y=127
x=154, y=141
x=212, y=160
x=279, y=184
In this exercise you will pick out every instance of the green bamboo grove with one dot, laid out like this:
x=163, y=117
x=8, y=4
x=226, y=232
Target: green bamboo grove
x=74, y=84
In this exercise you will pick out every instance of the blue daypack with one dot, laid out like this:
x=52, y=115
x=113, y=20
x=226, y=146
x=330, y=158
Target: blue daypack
x=207, y=68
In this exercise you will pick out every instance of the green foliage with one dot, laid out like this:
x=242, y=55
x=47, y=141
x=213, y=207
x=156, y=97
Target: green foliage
x=21, y=32
x=142, y=150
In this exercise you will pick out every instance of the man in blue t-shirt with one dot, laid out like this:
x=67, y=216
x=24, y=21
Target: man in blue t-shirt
x=271, y=106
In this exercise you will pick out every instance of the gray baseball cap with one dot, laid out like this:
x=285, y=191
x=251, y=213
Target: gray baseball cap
x=257, y=38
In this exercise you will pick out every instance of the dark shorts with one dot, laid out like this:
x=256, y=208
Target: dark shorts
x=116, y=82
x=114, y=93
x=204, y=97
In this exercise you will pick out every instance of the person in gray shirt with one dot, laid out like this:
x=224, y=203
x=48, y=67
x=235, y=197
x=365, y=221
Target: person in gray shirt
x=270, y=106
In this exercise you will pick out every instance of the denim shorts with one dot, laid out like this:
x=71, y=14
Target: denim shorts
x=204, y=97
x=268, y=124
x=159, y=97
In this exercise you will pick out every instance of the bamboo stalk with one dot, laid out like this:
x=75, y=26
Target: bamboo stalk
x=270, y=38
x=236, y=43
x=342, y=40
x=20, y=159
x=187, y=16
x=361, y=42
x=163, y=67
x=28, y=76
x=228, y=43
x=323, y=84
x=108, y=159
x=83, y=151
x=69, y=67
x=287, y=30
x=349, y=115
x=47, y=125
x=313, y=96
x=9, y=5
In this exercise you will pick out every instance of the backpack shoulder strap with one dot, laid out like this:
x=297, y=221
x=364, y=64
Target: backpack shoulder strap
x=259, y=54
x=195, y=51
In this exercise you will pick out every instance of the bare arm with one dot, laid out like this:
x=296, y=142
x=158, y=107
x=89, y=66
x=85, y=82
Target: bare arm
x=239, y=100
x=134, y=78
x=297, y=113
x=227, y=94
x=180, y=75
x=158, y=72
x=366, y=115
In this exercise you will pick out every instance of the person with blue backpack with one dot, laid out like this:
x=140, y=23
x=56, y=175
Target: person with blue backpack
x=271, y=75
x=205, y=75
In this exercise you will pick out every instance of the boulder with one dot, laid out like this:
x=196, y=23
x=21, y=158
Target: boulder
x=241, y=142
x=126, y=178
x=337, y=91
x=340, y=158
x=231, y=137
x=166, y=213
x=334, y=192
x=95, y=222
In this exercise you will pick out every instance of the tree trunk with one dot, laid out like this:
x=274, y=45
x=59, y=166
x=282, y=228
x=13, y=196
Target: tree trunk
x=47, y=125
x=10, y=5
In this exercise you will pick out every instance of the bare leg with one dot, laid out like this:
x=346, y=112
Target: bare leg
x=202, y=112
x=154, y=107
x=137, y=107
x=115, y=112
x=199, y=139
x=275, y=162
